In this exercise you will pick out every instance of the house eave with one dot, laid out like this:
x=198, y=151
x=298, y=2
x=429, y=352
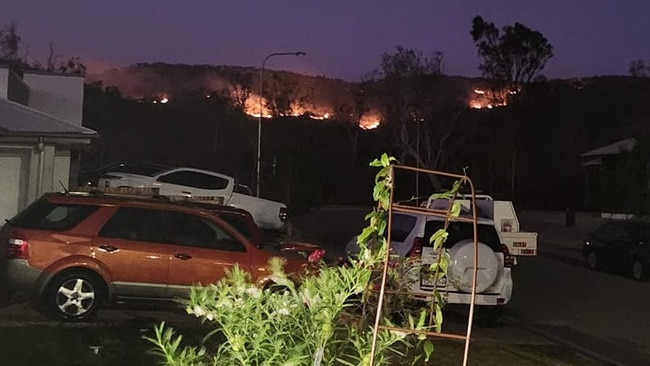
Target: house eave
x=53, y=138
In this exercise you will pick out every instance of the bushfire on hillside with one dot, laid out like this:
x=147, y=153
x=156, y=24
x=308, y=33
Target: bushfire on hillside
x=254, y=105
x=490, y=98
x=480, y=99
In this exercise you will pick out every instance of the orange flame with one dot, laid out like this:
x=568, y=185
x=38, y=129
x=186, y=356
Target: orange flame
x=254, y=104
x=491, y=98
x=370, y=120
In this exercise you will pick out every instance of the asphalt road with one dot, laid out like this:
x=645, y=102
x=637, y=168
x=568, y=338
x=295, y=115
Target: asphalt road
x=604, y=314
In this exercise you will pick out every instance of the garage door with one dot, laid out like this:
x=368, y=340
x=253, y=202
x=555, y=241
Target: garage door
x=13, y=182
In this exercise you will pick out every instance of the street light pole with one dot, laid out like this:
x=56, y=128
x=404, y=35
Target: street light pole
x=259, y=119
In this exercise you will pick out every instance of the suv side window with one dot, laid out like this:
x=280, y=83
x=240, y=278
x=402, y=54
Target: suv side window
x=194, y=179
x=168, y=227
x=195, y=231
x=132, y=223
x=238, y=223
x=401, y=227
x=45, y=215
x=607, y=232
x=458, y=231
x=621, y=233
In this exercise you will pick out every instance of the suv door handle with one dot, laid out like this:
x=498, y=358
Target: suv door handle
x=183, y=256
x=107, y=248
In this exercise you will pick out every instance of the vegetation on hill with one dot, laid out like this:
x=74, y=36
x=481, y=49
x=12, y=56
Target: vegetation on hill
x=307, y=162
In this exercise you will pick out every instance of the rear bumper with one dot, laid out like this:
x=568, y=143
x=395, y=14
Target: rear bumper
x=499, y=294
x=21, y=277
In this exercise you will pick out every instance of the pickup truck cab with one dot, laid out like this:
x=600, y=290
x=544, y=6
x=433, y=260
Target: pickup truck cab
x=196, y=183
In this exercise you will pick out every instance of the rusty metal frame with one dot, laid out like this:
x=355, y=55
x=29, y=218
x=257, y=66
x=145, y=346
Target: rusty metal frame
x=437, y=213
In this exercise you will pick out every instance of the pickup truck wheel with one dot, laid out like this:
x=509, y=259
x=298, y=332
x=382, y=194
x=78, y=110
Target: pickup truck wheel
x=73, y=296
x=638, y=270
x=461, y=264
x=592, y=261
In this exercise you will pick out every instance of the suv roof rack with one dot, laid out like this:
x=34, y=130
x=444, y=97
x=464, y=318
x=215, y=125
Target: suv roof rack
x=142, y=193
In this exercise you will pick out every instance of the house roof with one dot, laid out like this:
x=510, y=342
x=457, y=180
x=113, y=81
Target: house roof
x=612, y=149
x=19, y=120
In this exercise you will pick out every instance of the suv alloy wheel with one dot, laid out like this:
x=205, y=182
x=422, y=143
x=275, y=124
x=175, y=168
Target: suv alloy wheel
x=73, y=296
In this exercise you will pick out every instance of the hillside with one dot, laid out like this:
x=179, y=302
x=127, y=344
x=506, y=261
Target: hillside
x=317, y=96
x=542, y=135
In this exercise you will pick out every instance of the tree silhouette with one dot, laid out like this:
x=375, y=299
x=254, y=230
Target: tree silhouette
x=419, y=114
x=513, y=55
x=9, y=43
x=639, y=68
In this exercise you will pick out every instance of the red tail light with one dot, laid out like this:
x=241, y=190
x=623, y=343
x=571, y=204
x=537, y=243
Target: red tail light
x=416, y=249
x=17, y=248
x=508, y=259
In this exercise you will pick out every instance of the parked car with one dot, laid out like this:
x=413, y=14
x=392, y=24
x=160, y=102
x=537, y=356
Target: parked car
x=91, y=178
x=74, y=251
x=190, y=182
x=620, y=245
x=409, y=238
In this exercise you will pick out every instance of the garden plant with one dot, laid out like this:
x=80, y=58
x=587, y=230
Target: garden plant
x=324, y=317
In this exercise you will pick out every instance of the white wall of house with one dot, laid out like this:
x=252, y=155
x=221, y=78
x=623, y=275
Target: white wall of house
x=30, y=166
x=61, y=173
x=56, y=94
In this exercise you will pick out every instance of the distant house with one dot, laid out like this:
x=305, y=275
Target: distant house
x=617, y=177
x=40, y=135
x=605, y=155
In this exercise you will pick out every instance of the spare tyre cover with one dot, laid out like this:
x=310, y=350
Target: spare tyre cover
x=461, y=263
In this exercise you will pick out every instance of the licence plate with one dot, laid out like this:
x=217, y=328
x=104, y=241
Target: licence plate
x=519, y=244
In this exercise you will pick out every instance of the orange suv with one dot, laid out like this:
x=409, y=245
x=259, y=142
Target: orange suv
x=75, y=251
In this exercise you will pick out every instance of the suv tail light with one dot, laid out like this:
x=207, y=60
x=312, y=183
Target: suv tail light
x=416, y=249
x=17, y=248
x=508, y=259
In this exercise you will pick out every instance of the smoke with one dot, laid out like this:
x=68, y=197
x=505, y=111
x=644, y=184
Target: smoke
x=149, y=80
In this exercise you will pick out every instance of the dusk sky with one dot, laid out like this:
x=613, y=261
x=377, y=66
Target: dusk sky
x=342, y=39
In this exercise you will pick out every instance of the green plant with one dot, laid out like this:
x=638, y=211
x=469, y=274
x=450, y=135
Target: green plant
x=312, y=321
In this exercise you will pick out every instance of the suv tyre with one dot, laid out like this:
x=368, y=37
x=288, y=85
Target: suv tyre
x=74, y=296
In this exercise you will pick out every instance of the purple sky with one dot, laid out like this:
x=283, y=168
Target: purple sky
x=342, y=39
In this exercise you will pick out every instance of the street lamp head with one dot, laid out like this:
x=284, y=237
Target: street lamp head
x=300, y=53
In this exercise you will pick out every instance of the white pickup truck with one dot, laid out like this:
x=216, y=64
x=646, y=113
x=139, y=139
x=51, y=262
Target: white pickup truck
x=504, y=216
x=196, y=183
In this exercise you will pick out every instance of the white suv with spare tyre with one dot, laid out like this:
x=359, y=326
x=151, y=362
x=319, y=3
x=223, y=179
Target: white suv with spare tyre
x=410, y=233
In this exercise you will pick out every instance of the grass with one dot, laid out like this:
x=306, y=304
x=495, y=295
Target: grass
x=51, y=345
